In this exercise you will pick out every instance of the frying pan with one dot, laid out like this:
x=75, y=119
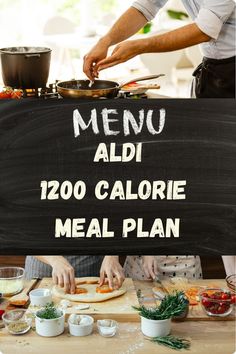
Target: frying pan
x=100, y=88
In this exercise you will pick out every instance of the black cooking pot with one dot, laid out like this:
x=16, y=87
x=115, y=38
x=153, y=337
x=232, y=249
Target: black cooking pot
x=25, y=67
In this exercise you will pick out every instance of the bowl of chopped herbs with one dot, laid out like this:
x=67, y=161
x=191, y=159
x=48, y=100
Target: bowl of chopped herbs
x=49, y=321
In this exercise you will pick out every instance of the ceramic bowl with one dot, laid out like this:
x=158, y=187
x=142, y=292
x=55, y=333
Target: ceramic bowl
x=80, y=325
x=40, y=297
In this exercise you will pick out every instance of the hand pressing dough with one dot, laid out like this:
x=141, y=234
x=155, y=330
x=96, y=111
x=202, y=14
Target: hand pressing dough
x=90, y=284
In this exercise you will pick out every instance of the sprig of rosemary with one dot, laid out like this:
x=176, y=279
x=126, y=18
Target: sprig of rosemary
x=172, y=342
x=172, y=305
x=49, y=312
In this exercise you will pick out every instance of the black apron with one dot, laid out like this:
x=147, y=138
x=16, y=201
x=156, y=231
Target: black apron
x=215, y=78
x=84, y=266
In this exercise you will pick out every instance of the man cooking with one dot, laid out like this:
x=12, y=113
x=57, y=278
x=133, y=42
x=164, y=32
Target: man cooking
x=213, y=28
x=64, y=269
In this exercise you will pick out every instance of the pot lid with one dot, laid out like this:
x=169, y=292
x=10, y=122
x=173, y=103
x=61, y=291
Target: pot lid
x=25, y=50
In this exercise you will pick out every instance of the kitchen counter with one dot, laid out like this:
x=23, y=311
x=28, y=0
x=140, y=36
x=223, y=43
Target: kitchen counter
x=217, y=337
x=206, y=337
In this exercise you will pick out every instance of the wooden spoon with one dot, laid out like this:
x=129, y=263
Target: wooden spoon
x=22, y=298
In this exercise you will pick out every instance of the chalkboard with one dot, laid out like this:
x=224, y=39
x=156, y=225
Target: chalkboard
x=52, y=140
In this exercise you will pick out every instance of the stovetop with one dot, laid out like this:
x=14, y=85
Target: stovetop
x=50, y=92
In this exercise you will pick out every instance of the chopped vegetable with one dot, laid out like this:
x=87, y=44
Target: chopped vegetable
x=233, y=299
x=216, y=302
x=10, y=93
x=49, y=312
x=103, y=289
x=81, y=291
x=192, y=296
x=1, y=313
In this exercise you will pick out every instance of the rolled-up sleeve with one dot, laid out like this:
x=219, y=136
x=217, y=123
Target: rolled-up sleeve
x=212, y=15
x=149, y=8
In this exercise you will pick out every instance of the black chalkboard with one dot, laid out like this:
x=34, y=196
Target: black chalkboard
x=197, y=144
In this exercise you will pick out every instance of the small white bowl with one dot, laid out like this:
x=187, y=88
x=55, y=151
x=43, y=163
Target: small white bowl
x=155, y=328
x=40, y=297
x=80, y=330
x=107, y=328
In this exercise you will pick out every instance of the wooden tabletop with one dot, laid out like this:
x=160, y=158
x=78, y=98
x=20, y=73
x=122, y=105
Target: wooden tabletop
x=206, y=337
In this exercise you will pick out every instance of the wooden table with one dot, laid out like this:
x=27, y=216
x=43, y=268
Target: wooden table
x=206, y=337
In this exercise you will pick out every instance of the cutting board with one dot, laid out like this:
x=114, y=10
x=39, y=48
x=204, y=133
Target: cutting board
x=196, y=313
x=4, y=303
x=119, y=308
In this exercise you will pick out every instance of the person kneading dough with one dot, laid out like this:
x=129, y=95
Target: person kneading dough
x=64, y=269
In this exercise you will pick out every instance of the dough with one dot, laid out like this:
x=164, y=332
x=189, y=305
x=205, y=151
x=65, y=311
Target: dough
x=90, y=283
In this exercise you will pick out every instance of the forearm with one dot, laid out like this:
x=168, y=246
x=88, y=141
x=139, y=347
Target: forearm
x=50, y=260
x=180, y=38
x=126, y=26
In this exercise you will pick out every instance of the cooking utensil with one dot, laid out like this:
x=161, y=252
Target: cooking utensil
x=100, y=88
x=25, y=67
x=22, y=298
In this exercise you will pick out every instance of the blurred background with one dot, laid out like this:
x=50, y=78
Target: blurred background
x=71, y=27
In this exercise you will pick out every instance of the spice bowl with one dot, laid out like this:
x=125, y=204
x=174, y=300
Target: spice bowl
x=17, y=321
x=40, y=297
x=216, y=302
x=107, y=328
x=80, y=325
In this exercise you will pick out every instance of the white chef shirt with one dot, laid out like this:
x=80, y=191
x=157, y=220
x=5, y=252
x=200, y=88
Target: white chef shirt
x=216, y=18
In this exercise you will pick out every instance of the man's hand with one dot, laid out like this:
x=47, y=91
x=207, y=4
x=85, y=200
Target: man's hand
x=150, y=266
x=62, y=273
x=127, y=25
x=96, y=54
x=111, y=269
x=122, y=52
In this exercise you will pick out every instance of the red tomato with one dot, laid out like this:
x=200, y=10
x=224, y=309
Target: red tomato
x=225, y=296
x=5, y=95
x=205, y=295
x=1, y=313
x=206, y=302
x=16, y=94
x=233, y=299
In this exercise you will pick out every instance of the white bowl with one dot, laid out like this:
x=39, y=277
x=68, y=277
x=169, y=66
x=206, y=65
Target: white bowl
x=80, y=330
x=107, y=328
x=50, y=328
x=40, y=297
x=155, y=328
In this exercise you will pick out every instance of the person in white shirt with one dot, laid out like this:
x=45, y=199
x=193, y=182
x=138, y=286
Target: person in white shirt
x=213, y=27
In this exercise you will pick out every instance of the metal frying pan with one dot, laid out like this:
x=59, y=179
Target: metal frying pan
x=100, y=88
